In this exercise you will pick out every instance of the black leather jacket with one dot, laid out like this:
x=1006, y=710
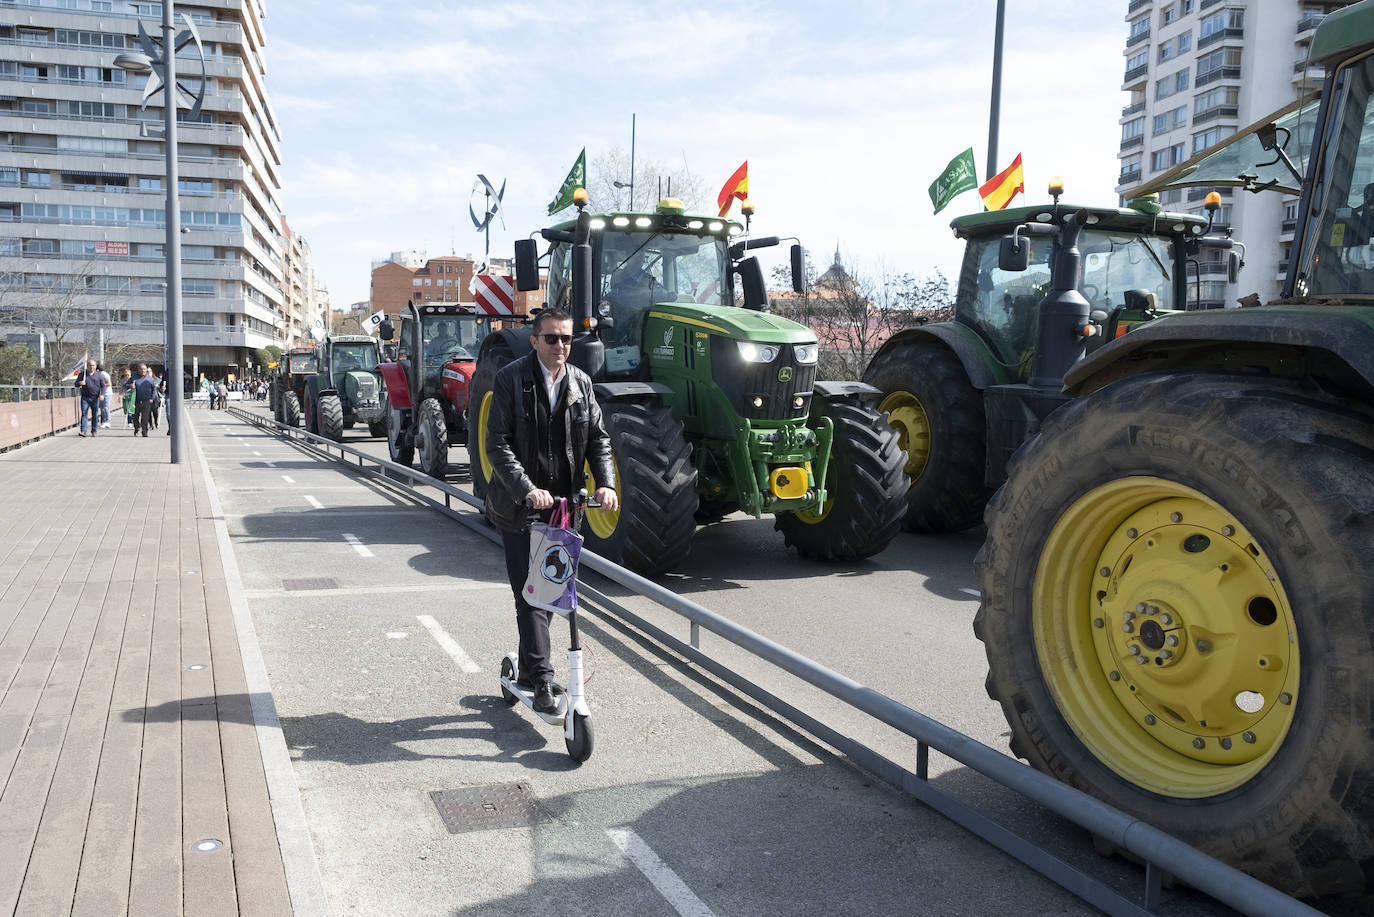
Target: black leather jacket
x=511, y=433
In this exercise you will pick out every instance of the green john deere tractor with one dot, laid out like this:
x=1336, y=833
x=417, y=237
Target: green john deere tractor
x=711, y=407
x=960, y=392
x=1178, y=575
x=347, y=388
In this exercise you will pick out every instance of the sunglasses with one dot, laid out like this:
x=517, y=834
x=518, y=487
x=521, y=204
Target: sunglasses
x=552, y=339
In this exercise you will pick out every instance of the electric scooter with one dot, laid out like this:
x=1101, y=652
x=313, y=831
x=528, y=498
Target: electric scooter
x=573, y=712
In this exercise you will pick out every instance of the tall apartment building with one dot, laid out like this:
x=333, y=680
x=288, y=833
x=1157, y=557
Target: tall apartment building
x=1196, y=72
x=81, y=185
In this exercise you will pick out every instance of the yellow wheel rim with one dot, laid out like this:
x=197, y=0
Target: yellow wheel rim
x=1165, y=637
x=599, y=521
x=907, y=416
x=483, y=414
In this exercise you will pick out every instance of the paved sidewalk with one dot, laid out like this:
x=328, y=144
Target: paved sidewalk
x=127, y=732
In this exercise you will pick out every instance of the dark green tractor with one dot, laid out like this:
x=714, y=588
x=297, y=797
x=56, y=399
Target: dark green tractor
x=287, y=388
x=711, y=407
x=346, y=389
x=965, y=394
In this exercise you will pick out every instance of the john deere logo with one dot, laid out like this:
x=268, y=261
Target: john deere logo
x=785, y=374
x=667, y=336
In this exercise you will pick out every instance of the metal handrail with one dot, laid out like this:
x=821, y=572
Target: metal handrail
x=10, y=394
x=1159, y=850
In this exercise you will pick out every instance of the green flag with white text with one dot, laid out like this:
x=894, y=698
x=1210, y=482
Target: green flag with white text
x=577, y=178
x=959, y=176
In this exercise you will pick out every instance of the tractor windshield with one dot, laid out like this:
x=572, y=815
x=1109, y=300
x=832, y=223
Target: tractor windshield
x=639, y=269
x=303, y=363
x=351, y=357
x=451, y=337
x=1338, y=255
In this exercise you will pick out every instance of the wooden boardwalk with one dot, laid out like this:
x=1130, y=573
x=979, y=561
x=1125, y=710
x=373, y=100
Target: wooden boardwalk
x=126, y=730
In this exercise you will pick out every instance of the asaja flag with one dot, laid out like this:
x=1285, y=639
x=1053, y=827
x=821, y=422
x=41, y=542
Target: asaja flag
x=998, y=191
x=76, y=370
x=577, y=178
x=736, y=186
x=959, y=176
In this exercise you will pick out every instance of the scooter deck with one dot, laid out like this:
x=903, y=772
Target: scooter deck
x=526, y=696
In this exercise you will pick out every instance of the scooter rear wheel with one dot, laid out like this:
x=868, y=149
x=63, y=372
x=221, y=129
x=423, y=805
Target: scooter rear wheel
x=583, y=739
x=507, y=671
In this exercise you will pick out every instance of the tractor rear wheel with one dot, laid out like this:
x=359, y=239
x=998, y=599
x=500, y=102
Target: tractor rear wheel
x=377, y=428
x=431, y=439
x=310, y=414
x=1176, y=592
x=495, y=356
x=290, y=409
x=865, y=490
x=398, y=445
x=276, y=409
x=651, y=530
x=329, y=419
x=939, y=417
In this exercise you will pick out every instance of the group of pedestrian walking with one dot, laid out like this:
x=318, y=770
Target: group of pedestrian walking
x=141, y=398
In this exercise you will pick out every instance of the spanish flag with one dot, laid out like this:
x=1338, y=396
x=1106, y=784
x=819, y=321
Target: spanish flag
x=1002, y=187
x=736, y=186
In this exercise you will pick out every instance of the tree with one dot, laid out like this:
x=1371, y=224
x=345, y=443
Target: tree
x=18, y=364
x=649, y=177
x=265, y=355
x=854, y=315
x=65, y=308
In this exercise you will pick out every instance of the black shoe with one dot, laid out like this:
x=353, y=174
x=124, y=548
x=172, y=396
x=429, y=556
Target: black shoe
x=543, y=699
x=524, y=682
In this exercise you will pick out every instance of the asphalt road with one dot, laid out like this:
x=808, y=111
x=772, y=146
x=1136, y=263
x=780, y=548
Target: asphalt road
x=696, y=801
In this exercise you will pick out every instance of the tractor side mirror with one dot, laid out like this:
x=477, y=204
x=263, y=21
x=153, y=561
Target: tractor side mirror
x=751, y=277
x=798, y=272
x=386, y=329
x=1014, y=255
x=526, y=265
x=1233, y=263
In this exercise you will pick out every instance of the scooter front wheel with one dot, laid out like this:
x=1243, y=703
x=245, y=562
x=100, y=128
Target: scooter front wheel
x=583, y=738
x=507, y=672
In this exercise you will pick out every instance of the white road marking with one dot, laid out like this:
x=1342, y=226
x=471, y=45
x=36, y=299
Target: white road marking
x=380, y=589
x=313, y=502
x=288, y=479
x=357, y=545
x=449, y=645
x=673, y=889
x=256, y=452
x=396, y=635
x=268, y=465
x=973, y=592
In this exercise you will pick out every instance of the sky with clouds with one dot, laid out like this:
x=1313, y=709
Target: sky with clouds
x=846, y=113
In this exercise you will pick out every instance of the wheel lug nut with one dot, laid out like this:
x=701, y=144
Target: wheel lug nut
x=1141, y=660
x=1135, y=649
x=1248, y=737
x=1175, y=517
x=1171, y=640
x=1226, y=743
x=1204, y=646
x=1166, y=618
x=1228, y=530
x=1132, y=533
x=1149, y=719
x=1114, y=675
x=1285, y=698
x=1128, y=615
x=1141, y=608
x=1128, y=628
x=1199, y=743
x=1105, y=571
x=1098, y=622
x=1167, y=654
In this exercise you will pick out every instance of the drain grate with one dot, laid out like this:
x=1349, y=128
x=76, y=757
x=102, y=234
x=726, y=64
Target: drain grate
x=482, y=808
x=304, y=584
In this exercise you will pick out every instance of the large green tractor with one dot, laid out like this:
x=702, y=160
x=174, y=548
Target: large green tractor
x=347, y=389
x=960, y=392
x=1178, y=575
x=711, y=407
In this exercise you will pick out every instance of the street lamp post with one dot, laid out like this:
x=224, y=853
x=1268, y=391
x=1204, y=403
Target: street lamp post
x=147, y=62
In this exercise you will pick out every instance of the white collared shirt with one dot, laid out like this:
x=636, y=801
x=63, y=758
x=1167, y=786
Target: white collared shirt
x=551, y=384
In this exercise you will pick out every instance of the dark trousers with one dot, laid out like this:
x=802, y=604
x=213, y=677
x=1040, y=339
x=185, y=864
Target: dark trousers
x=533, y=623
x=143, y=416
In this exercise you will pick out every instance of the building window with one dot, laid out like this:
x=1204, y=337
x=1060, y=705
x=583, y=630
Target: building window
x=1168, y=16
x=1224, y=62
x=1185, y=42
x=1139, y=29
x=1138, y=60
x=415, y=282
x=1167, y=157
x=1171, y=84
x=1219, y=22
x=1170, y=119
x=1207, y=138
x=1187, y=6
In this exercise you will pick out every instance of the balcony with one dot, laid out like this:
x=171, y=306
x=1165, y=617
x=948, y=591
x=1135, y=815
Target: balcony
x=1128, y=176
x=1198, y=194
x=1135, y=5
x=1220, y=73
x=1132, y=109
x=1215, y=112
x=1212, y=268
x=1288, y=225
x=1129, y=142
x=1310, y=21
x=1206, y=3
x=1220, y=35
x=1137, y=37
x=1136, y=73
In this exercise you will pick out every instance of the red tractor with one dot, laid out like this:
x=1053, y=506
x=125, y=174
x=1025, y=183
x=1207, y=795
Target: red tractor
x=427, y=385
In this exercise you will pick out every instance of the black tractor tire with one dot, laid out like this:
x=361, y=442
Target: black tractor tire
x=495, y=356
x=652, y=529
x=377, y=428
x=431, y=439
x=276, y=408
x=310, y=413
x=712, y=511
x=399, y=446
x=290, y=409
x=866, y=489
x=1245, y=507
x=348, y=424
x=940, y=419
x=329, y=419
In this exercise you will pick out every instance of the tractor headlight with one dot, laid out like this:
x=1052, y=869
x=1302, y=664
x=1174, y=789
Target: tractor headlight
x=757, y=353
x=806, y=353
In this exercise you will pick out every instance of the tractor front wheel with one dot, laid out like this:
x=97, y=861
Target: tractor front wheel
x=1176, y=592
x=431, y=439
x=398, y=444
x=290, y=409
x=377, y=428
x=865, y=490
x=651, y=530
x=939, y=417
x=330, y=418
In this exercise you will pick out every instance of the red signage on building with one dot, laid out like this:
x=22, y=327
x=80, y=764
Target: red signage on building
x=112, y=248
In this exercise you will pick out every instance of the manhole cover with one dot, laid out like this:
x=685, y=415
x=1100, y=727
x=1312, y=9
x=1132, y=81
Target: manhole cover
x=309, y=582
x=482, y=808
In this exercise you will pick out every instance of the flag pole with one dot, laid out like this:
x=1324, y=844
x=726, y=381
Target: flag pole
x=632, y=162
x=995, y=109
